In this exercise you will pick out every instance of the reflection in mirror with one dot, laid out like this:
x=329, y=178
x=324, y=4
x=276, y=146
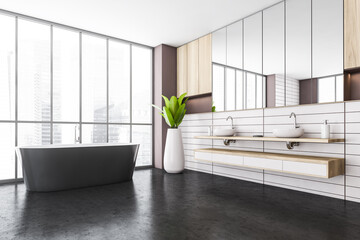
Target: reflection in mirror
x=327, y=37
x=253, y=43
x=218, y=87
x=328, y=50
x=234, y=45
x=230, y=89
x=273, y=54
x=339, y=89
x=250, y=90
x=326, y=89
x=260, y=86
x=235, y=89
x=330, y=89
x=219, y=46
x=298, y=52
x=239, y=90
x=288, y=54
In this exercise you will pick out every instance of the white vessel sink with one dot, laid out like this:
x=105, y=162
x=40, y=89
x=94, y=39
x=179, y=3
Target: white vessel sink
x=289, y=132
x=224, y=132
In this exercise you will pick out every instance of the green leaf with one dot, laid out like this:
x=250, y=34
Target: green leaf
x=168, y=117
x=181, y=98
x=174, y=106
x=167, y=102
x=156, y=107
x=179, y=114
x=181, y=118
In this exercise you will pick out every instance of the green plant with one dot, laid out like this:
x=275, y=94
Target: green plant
x=174, y=110
x=213, y=108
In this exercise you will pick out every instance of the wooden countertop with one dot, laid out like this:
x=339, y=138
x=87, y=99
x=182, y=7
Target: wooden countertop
x=279, y=156
x=274, y=139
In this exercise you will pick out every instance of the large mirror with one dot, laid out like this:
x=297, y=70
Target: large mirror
x=327, y=39
x=288, y=54
x=298, y=52
x=273, y=54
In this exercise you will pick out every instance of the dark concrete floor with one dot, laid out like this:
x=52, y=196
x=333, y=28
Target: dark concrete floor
x=184, y=206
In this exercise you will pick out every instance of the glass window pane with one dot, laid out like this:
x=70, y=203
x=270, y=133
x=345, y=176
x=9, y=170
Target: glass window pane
x=119, y=82
x=34, y=71
x=218, y=88
x=250, y=90
x=7, y=68
x=33, y=134
x=65, y=75
x=259, y=91
x=119, y=133
x=93, y=79
x=239, y=90
x=141, y=85
x=326, y=89
x=65, y=133
x=230, y=89
x=143, y=136
x=94, y=133
x=7, y=151
x=340, y=88
x=30, y=134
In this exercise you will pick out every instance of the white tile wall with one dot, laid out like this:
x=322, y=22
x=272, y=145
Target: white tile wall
x=292, y=90
x=345, y=123
x=195, y=125
x=352, y=137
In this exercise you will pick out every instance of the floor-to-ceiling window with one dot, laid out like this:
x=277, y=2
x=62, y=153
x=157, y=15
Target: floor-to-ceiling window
x=60, y=85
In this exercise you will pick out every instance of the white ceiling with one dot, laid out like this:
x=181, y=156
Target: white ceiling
x=149, y=22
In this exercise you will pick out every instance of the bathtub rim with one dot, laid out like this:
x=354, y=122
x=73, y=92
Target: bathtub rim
x=85, y=145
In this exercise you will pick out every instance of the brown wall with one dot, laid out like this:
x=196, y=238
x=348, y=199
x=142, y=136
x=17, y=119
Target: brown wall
x=270, y=91
x=199, y=104
x=352, y=86
x=164, y=84
x=308, y=91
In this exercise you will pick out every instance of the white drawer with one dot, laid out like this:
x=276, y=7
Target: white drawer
x=227, y=159
x=305, y=168
x=263, y=163
x=203, y=156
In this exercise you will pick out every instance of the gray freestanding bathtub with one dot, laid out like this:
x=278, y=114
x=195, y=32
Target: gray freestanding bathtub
x=61, y=167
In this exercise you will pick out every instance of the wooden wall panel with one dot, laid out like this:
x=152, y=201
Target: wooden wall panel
x=351, y=33
x=182, y=70
x=193, y=67
x=205, y=72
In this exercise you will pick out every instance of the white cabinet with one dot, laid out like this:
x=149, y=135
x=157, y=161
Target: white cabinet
x=219, y=158
x=296, y=164
x=305, y=168
x=263, y=163
x=227, y=159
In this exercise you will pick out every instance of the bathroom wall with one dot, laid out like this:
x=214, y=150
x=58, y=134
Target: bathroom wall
x=345, y=123
x=164, y=84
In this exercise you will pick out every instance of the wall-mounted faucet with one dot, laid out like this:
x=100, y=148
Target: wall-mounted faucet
x=295, y=123
x=232, y=121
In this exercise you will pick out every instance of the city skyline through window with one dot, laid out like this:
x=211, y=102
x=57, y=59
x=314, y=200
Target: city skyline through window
x=59, y=85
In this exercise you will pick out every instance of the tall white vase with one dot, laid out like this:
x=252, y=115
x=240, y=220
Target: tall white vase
x=174, y=161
